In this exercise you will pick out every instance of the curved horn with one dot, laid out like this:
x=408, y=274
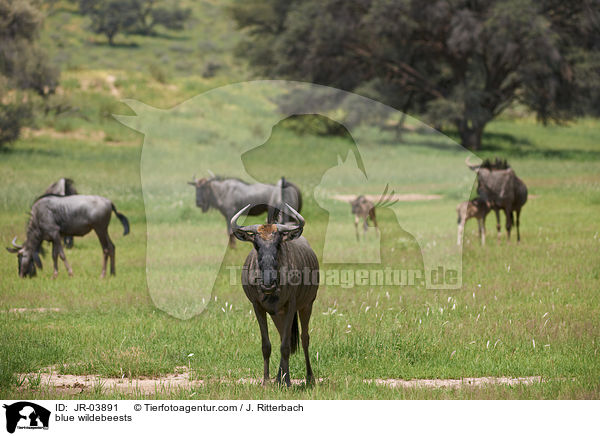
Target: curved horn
x=470, y=165
x=14, y=243
x=194, y=181
x=211, y=173
x=297, y=216
x=233, y=222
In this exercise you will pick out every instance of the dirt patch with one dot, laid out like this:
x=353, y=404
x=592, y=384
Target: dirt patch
x=181, y=379
x=75, y=384
x=395, y=197
x=456, y=383
x=78, y=134
x=33, y=309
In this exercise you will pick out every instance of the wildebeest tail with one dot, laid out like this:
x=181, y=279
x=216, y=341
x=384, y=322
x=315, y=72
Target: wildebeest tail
x=295, y=334
x=288, y=184
x=123, y=220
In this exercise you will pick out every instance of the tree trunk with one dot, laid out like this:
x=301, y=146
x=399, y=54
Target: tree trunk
x=470, y=135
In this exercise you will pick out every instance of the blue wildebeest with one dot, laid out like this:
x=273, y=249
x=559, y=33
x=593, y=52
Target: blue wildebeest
x=280, y=277
x=476, y=208
x=64, y=187
x=53, y=217
x=229, y=195
x=501, y=189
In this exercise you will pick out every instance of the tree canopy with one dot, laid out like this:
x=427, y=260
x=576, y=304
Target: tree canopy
x=23, y=66
x=111, y=17
x=455, y=62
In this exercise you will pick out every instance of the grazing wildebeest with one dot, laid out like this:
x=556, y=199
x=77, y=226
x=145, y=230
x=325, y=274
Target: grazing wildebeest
x=53, y=217
x=364, y=209
x=64, y=187
x=476, y=208
x=280, y=277
x=501, y=189
x=229, y=195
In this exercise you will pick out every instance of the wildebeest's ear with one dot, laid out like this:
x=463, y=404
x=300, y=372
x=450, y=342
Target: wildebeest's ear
x=243, y=235
x=12, y=250
x=292, y=234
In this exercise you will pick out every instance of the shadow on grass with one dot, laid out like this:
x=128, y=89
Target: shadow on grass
x=16, y=151
x=116, y=45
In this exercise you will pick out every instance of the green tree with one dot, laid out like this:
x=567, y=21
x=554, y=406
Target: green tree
x=458, y=62
x=111, y=17
x=23, y=66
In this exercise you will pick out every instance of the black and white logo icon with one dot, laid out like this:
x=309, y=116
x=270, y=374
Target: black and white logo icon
x=26, y=415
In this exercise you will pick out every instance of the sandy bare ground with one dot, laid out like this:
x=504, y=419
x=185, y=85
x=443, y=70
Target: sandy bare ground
x=395, y=197
x=75, y=384
x=456, y=383
x=33, y=309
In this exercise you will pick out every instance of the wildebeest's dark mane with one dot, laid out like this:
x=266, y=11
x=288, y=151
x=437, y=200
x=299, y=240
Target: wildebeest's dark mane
x=47, y=195
x=497, y=164
x=33, y=235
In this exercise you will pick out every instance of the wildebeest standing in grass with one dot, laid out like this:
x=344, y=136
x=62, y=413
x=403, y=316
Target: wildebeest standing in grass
x=363, y=209
x=280, y=277
x=229, y=195
x=64, y=187
x=53, y=217
x=501, y=189
x=476, y=208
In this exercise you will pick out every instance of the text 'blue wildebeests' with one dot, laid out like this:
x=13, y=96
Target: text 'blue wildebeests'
x=53, y=217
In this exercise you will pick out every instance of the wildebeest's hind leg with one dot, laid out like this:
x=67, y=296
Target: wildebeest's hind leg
x=374, y=219
x=509, y=221
x=304, y=319
x=108, y=250
x=518, y=212
x=497, y=212
x=356, y=220
x=261, y=317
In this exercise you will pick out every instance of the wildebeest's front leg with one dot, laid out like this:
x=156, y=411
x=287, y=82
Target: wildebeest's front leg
x=304, y=319
x=57, y=250
x=497, y=212
x=356, y=221
x=261, y=317
x=284, y=325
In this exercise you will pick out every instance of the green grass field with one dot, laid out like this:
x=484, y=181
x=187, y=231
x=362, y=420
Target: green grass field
x=528, y=309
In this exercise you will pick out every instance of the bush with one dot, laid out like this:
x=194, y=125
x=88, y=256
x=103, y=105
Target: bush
x=13, y=116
